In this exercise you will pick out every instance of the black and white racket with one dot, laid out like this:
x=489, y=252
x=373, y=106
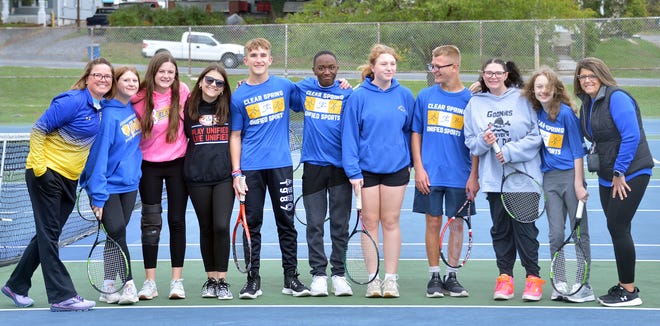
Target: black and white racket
x=300, y=213
x=569, y=269
x=522, y=195
x=457, y=232
x=361, y=258
x=295, y=144
x=107, y=264
x=84, y=206
x=240, y=240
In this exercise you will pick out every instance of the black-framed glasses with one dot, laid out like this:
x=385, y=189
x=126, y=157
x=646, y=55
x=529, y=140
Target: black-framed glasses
x=210, y=80
x=101, y=77
x=586, y=77
x=432, y=67
x=498, y=74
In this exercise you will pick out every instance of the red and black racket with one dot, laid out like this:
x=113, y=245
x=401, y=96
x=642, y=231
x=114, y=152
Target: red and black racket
x=240, y=240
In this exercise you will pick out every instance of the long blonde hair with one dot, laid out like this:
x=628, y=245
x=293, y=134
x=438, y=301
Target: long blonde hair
x=376, y=51
x=561, y=95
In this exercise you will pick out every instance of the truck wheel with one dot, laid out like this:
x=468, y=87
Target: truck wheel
x=229, y=60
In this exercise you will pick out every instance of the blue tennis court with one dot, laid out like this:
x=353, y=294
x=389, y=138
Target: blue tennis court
x=478, y=275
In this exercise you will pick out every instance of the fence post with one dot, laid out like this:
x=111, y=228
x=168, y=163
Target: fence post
x=189, y=52
x=537, y=54
x=286, y=51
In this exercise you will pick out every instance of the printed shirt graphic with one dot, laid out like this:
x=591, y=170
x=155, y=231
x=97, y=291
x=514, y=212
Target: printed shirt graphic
x=260, y=112
x=322, y=132
x=562, y=140
x=439, y=119
x=156, y=148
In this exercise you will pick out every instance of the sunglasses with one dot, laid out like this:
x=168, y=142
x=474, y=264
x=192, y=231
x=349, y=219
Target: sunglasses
x=218, y=82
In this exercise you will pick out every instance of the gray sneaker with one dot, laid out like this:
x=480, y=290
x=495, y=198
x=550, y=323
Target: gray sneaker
x=586, y=294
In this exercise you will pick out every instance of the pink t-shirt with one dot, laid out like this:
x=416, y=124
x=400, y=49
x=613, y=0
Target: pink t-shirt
x=156, y=148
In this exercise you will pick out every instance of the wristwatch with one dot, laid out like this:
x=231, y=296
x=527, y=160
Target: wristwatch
x=618, y=173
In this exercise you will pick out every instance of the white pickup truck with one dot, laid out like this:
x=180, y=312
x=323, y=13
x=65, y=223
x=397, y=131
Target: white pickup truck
x=197, y=46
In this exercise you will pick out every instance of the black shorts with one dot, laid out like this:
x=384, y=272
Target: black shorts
x=398, y=178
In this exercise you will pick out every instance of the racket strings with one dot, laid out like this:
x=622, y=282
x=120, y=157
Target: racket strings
x=523, y=206
x=107, y=264
x=569, y=266
x=361, y=260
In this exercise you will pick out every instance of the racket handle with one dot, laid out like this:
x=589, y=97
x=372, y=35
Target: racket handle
x=580, y=208
x=241, y=182
x=358, y=200
x=496, y=148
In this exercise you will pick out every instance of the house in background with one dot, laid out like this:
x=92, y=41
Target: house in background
x=65, y=12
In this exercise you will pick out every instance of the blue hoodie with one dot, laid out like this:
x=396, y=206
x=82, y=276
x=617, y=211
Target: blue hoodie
x=376, y=129
x=114, y=163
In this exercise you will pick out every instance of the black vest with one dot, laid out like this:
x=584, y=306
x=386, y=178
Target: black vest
x=607, y=137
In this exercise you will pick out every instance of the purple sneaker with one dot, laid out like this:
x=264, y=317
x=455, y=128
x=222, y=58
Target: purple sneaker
x=76, y=303
x=20, y=301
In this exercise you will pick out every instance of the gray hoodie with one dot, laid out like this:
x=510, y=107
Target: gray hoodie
x=514, y=122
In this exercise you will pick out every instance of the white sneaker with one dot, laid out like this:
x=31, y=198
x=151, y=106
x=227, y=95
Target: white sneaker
x=129, y=294
x=176, y=289
x=390, y=287
x=373, y=289
x=556, y=295
x=148, y=290
x=111, y=295
x=340, y=286
x=319, y=286
x=585, y=294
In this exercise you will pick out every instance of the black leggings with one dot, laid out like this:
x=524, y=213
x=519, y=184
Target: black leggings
x=151, y=190
x=619, y=214
x=116, y=215
x=213, y=206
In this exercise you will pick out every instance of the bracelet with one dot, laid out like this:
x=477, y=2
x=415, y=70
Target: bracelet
x=236, y=173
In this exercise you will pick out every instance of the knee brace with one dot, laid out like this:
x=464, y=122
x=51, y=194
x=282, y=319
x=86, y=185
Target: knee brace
x=151, y=224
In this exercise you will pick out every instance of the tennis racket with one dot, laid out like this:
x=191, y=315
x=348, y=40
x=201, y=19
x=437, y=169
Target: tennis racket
x=457, y=236
x=295, y=144
x=242, y=249
x=299, y=211
x=361, y=258
x=569, y=267
x=107, y=264
x=522, y=195
x=84, y=206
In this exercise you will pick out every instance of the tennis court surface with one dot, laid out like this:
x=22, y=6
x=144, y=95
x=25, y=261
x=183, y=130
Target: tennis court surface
x=274, y=308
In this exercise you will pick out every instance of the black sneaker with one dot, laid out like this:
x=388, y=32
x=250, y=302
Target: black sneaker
x=293, y=286
x=252, y=288
x=434, y=288
x=617, y=296
x=208, y=289
x=450, y=285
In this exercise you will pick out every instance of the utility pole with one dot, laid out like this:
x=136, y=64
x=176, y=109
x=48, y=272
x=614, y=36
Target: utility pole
x=78, y=13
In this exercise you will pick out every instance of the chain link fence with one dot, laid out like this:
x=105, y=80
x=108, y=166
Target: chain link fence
x=529, y=43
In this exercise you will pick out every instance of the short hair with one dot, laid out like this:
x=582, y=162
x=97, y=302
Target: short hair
x=256, y=43
x=323, y=52
x=450, y=51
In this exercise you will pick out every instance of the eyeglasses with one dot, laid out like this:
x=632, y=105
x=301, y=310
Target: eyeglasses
x=210, y=80
x=585, y=77
x=498, y=74
x=432, y=67
x=101, y=77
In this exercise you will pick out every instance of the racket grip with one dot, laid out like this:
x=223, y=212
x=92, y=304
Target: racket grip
x=580, y=209
x=496, y=148
x=241, y=182
x=358, y=200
